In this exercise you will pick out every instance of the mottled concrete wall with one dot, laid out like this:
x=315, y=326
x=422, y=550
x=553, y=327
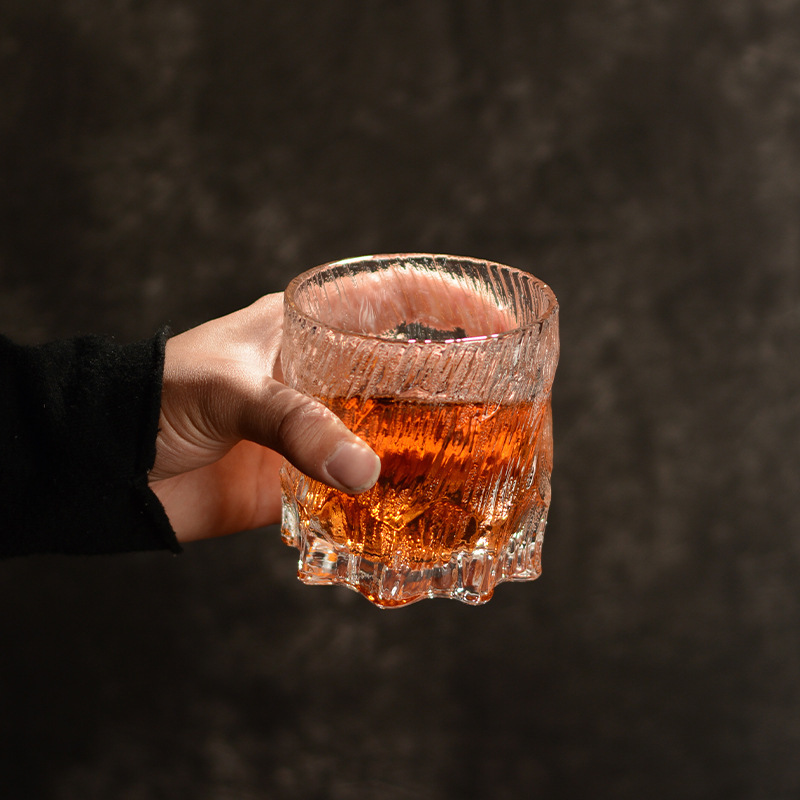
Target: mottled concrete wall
x=173, y=160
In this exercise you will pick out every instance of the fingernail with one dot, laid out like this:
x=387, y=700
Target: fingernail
x=354, y=466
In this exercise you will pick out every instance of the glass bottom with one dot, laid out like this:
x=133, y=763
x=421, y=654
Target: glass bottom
x=469, y=576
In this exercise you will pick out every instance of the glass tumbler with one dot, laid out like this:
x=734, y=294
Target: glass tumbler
x=445, y=366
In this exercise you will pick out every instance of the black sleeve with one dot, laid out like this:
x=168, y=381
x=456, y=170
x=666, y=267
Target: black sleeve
x=78, y=426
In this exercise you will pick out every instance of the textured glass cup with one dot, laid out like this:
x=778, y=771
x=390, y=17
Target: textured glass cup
x=445, y=366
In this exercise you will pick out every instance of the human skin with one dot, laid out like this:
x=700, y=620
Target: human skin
x=227, y=420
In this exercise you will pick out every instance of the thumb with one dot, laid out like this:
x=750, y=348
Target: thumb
x=310, y=436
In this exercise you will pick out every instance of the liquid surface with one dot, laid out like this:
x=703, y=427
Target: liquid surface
x=455, y=476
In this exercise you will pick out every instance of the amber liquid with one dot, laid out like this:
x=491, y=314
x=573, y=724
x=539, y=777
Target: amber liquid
x=454, y=476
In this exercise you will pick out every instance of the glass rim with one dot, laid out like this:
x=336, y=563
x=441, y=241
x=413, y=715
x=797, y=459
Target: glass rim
x=289, y=298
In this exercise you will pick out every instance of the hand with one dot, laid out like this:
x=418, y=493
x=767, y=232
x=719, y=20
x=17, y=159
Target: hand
x=226, y=421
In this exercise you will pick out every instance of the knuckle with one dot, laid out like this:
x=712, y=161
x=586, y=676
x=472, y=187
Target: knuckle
x=298, y=422
x=301, y=424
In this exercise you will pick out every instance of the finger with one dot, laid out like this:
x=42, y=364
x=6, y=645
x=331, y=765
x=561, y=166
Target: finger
x=309, y=436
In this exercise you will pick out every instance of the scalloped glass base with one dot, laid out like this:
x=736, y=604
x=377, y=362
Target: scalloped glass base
x=469, y=576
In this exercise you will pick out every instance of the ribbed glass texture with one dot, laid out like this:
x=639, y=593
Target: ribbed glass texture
x=445, y=366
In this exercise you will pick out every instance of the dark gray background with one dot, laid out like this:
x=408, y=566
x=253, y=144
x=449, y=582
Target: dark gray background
x=172, y=160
